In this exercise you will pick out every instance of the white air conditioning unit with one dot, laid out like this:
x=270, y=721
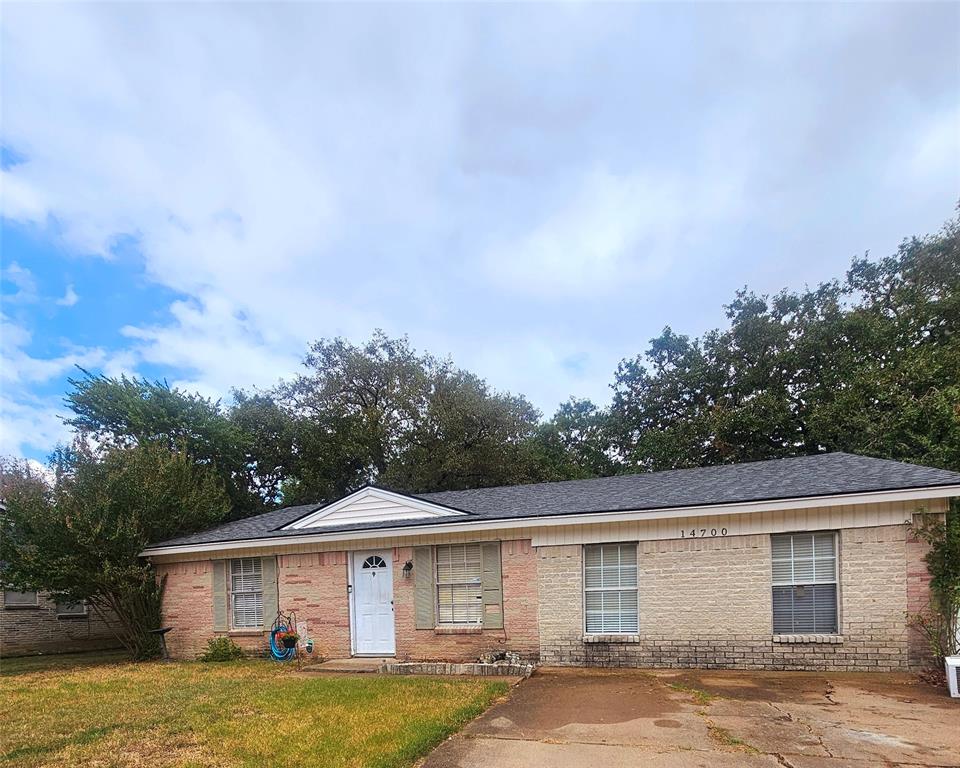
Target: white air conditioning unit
x=953, y=666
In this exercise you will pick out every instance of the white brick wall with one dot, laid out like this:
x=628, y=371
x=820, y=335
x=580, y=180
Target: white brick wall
x=707, y=603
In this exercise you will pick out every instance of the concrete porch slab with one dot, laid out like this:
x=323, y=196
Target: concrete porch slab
x=361, y=664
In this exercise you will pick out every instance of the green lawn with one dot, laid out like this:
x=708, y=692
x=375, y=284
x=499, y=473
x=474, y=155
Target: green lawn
x=249, y=713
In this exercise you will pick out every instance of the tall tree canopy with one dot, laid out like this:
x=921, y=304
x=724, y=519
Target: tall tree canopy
x=576, y=442
x=248, y=446
x=383, y=413
x=869, y=364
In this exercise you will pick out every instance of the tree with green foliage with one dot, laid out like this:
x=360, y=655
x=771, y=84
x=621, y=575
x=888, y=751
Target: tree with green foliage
x=467, y=436
x=352, y=411
x=248, y=445
x=382, y=412
x=79, y=536
x=575, y=443
x=870, y=364
x=269, y=442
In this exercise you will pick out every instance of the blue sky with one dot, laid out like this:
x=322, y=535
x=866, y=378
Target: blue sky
x=196, y=191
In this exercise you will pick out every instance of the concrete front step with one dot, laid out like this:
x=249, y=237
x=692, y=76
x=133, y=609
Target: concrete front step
x=354, y=664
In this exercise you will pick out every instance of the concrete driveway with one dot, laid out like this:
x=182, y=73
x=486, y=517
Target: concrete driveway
x=713, y=719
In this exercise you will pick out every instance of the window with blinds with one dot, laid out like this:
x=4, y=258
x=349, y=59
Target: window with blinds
x=610, y=589
x=459, y=591
x=804, y=583
x=246, y=592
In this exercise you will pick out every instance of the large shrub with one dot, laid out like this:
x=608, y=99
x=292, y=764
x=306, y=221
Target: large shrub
x=221, y=649
x=79, y=536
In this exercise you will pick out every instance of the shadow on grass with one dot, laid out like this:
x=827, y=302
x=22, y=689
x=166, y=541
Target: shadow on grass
x=20, y=665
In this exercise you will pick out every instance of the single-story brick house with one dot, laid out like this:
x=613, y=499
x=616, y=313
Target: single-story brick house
x=801, y=563
x=33, y=622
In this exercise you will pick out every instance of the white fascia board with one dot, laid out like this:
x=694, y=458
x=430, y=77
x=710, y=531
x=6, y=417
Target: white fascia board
x=583, y=518
x=425, y=508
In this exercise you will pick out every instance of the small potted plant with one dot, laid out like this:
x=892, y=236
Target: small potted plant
x=288, y=638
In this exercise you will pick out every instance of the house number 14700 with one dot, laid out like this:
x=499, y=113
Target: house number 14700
x=699, y=533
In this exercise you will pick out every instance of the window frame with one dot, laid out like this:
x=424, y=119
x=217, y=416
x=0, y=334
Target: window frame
x=813, y=582
x=61, y=614
x=584, y=589
x=21, y=606
x=437, y=584
x=232, y=593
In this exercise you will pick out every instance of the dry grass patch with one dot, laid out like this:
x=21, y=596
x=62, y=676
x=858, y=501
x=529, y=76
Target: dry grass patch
x=724, y=737
x=252, y=713
x=699, y=696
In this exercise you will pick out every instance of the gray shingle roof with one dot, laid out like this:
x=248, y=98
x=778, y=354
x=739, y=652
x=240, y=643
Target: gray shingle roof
x=805, y=476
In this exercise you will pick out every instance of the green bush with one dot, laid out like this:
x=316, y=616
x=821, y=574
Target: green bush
x=221, y=649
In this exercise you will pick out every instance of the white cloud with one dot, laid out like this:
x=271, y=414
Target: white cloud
x=19, y=200
x=31, y=423
x=232, y=174
x=69, y=298
x=22, y=279
x=614, y=232
x=935, y=152
x=20, y=368
x=208, y=337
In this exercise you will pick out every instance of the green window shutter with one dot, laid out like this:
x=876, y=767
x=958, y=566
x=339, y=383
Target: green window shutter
x=492, y=583
x=424, y=597
x=271, y=597
x=220, y=623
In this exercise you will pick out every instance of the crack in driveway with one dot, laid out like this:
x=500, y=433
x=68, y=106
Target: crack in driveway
x=803, y=723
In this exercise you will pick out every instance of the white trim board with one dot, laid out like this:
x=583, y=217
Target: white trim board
x=371, y=505
x=474, y=524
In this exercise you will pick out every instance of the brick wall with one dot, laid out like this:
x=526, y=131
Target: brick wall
x=519, y=633
x=25, y=631
x=315, y=586
x=707, y=603
x=188, y=608
x=873, y=585
x=703, y=602
x=687, y=586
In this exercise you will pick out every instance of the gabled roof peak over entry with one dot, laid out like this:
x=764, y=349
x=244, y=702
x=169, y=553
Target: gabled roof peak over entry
x=372, y=505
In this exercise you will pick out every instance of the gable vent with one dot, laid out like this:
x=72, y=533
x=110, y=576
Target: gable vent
x=372, y=505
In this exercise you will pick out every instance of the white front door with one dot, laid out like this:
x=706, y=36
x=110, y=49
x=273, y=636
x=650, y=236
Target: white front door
x=373, y=603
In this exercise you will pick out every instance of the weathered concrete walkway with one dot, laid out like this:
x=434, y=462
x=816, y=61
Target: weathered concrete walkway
x=682, y=719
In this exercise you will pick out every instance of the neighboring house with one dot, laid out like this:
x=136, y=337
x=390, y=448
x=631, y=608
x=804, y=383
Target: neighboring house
x=802, y=563
x=31, y=622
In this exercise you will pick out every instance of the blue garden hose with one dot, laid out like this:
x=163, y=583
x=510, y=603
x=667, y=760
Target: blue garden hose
x=277, y=650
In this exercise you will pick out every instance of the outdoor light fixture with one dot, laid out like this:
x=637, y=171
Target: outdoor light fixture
x=407, y=567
